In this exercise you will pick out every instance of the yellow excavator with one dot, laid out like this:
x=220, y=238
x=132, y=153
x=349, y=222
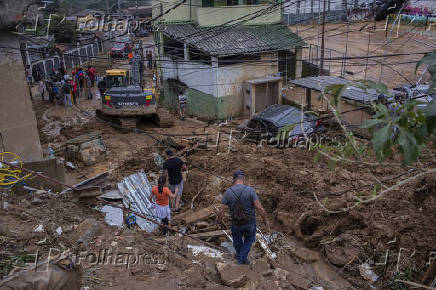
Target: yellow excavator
x=124, y=101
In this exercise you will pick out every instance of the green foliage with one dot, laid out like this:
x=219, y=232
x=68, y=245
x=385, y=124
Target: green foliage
x=64, y=31
x=336, y=92
x=403, y=125
x=430, y=60
x=7, y=263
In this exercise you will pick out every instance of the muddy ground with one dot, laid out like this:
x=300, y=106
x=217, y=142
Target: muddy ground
x=397, y=71
x=395, y=235
x=314, y=247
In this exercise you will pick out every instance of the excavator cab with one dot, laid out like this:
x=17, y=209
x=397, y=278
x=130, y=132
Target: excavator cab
x=117, y=78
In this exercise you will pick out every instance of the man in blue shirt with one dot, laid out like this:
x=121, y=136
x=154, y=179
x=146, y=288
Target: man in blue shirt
x=242, y=201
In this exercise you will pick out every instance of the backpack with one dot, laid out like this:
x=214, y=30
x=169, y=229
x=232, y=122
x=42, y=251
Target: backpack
x=239, y=217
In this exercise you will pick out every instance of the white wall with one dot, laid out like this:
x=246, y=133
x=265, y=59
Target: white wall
x=220, y=82
x=305, y=5
x=195, y=75
x=230, y=78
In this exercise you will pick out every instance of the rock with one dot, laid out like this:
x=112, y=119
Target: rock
x=305, y=254
x=201, y=225
x=88, y=148
x=341, y=255
x=36, y=201
x=210, y=272
x=280, y=274
x=232, y=275
x=262, y=266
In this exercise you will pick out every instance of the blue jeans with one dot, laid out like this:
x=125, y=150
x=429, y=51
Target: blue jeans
x=243, y=237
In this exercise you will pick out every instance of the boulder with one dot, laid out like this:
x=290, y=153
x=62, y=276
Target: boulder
x=232, y=275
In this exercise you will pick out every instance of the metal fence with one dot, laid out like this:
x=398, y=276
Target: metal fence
x=312, y=55
x=37, y=61
x=315, y=17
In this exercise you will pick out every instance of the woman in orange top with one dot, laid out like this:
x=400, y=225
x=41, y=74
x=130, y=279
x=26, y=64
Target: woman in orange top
x=162, y=202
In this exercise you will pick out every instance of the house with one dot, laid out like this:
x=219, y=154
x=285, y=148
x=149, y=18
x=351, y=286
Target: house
x=229, y=57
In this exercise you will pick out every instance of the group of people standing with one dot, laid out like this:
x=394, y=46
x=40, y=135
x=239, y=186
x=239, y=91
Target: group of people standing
x=65, y=89
x=240, y=199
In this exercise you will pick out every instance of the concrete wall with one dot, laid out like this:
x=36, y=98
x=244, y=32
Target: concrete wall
x=199, y=104
x=191, y=11
x=18, y=131
x=213, y=16
x=11, y=11
x=180, y=14
x=230, y=77
x=213, y=93
x=297, y=94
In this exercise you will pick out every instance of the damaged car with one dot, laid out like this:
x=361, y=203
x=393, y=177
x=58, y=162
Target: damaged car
x=280, y=125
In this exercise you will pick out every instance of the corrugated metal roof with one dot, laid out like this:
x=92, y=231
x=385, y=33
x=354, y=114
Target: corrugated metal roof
x=354, y=93
x=225, y=41
x=136, y=190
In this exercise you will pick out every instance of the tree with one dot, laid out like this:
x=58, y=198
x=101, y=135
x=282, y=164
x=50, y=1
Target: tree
x=396, y=127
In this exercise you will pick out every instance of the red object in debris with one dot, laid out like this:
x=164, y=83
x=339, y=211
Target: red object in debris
x=108, y=102
x=318, y=122
x=147, y=102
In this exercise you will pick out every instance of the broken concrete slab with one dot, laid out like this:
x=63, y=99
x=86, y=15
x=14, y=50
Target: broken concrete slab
x=232, y=275
x=87, y=148
x=198, y=215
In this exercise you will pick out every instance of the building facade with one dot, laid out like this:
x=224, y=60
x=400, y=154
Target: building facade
x=218, y=51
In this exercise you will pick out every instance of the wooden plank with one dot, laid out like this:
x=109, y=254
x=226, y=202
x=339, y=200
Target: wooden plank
x=198, y=215
x=206, y=235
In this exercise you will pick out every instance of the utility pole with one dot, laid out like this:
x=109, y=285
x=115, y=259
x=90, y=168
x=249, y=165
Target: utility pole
x=119, y=6
x=322, y=40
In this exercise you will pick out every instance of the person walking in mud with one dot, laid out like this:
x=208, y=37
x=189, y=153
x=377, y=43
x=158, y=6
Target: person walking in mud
x=173, y=168
x=182, y=104
x=162, y=194
x=242, y=201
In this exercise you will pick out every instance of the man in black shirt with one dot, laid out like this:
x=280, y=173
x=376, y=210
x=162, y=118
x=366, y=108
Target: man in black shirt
x=173, y=167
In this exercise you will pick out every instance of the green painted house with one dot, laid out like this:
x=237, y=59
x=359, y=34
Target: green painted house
x=226, y=56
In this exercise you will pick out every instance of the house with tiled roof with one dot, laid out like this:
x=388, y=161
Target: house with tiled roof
x=228, y=56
